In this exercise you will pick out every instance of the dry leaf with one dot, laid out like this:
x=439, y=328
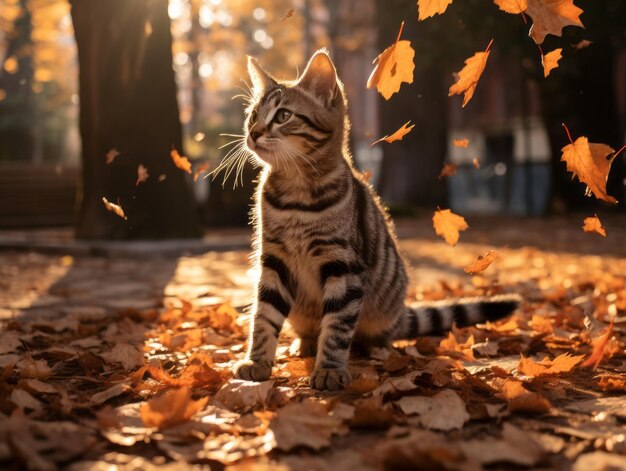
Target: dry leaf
x=469, y=75
x=202, y=168
x=522, y=400
x=171, y=408
x=396, y=136
x=428, y=8
x=476, y=163
x=599, y=348
x=239, y=394
x=447, y=225
x=430, y=410
x=448, y=170
x=126, y=355
x=550, y=61
x=24, y=400
x=111, y=155
x=588, y=161
x=180, y=161
x=512, y=6
x=394, y=66
x=113, y=391
x=114, y=208
x=142, y=174
x=561, y=364
x=35, y=369
x=460, y=143
x=594, y=225
x=551, y=16
x=481, y=263
x=613, y=383
x=289, y=14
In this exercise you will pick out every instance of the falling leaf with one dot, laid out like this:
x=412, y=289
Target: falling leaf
x=448, y=170
x=599, y=348
x=469, y=75
x=307, y=423
x=476, y=163
x=114, y=208
x=428, y=8
x=171, y=408
x=551, y=61
x=512, y=6
x=481, y=263
x=180, y=161
x=110, y=157
x=582, y=44
x=460, y=143
x=394, y=66
x=594, y=225
x=521, y=399
x=126, y=355
x=289, y=14
x=551, y=16
x=142, y=174
x=396, y=136
x=430, y=410
x=588, y=161
x=561, y=364
x=202, y=168
x=447, y=225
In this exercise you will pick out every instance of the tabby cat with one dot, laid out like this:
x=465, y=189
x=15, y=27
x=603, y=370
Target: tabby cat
x=326, y=250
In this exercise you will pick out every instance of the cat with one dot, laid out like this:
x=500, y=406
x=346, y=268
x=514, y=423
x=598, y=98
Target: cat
x=326, y=250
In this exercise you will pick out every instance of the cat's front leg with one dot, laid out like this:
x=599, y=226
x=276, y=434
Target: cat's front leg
x=274, y=301
x=343, y=298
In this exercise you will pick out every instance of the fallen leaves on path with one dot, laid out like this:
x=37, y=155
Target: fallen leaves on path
x=171, y=408
x=561, y=364
x=599, y=348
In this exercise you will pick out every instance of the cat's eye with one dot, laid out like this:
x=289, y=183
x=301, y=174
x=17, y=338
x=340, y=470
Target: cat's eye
x=282, y=115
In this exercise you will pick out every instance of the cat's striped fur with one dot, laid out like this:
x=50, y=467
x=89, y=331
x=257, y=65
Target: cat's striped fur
x=326, y=249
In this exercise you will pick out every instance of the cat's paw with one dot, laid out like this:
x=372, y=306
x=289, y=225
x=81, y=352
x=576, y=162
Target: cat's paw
x=253, y=370
x=329, y=378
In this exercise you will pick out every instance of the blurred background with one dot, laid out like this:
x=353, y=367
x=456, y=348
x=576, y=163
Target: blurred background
x=89, y=81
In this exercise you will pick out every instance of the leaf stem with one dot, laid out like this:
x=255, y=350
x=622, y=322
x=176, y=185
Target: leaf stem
x=489, y=45
x=619, y=151
x=569, y=136
x=400, y=32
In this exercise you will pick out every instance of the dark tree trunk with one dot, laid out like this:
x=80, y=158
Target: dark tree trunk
x=128, y=103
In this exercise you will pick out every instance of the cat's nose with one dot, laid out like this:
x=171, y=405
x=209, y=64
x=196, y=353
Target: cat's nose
x=254, y=135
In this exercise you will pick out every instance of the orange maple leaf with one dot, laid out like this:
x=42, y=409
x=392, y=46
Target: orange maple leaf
x=469, y=75
x=588, y=161
x=594, y=225
x=448, y=170
x=561, y=364
x=550, y=61
x=599, y=348
x=171, y=408
x=460, y=143
x=428, y=8
x=394, y=66
x=551, y=16
x=481, y=263
x=114, y=208
x=396, y=136
x=522, y=400
x=180, y=161
x=447, y=225
x=512, y=6
x=142, y=174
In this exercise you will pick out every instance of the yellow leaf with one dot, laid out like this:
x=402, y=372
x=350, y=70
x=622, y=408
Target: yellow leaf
x=561, y=364
x=428, y=8
x=448, y=170
x=522, y=400
x=512, y=6
x=551, y=16
x=396, y=136
x=394, y=66
x=114, y=208
x=481, y=263
x=180, y=161
x=447, y=225
x=594, y=225
x=470, y=74
x=551, y=61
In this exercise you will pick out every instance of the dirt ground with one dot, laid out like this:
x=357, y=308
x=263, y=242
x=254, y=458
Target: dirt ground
x=124, y=363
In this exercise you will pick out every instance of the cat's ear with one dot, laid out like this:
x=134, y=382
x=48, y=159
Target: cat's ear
x=320, y=77
x=260, y=78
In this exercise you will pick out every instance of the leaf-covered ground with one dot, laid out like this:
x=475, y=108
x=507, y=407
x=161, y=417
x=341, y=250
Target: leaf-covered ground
x=117, y=362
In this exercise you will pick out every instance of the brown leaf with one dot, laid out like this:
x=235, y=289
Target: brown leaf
x=448, y=170
x=370, y=414
x=110, y=393
x=396, y=362
x=111, y=155
x=238, y=394
x=582, y=44
x=550, y=61
x=613, y=383
x=512, y=6
x=469, y=75
x=36, y=369
x=522, y=400
x=38, y=387
x=481, y=263
x=460, y=143
x=9, y=342
x=114, y=208
x=561, y=364
x=430, y=410
x=594, y=225
x=428, y=8
x=202, y=168
x=551, y=16
x=393, y=66
x=396, y=136
x=142, y=174
x=24, y=400
x=171, y=408
x=447, y=225
x=599, y=348
x=289, y=14
x=126, y=355
x=180, y=161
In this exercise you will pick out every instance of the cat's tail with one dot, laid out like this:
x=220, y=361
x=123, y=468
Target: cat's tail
x=435, y=318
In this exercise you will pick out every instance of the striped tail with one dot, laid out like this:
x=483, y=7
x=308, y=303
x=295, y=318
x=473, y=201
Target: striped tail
x=438, y=317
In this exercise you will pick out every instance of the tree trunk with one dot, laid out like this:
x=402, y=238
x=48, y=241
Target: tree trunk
x=128, y=103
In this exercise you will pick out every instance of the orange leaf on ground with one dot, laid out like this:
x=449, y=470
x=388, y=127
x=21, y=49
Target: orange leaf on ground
x=114, y=208
x=202, y=168
x=428, y=8
x=551, y=16
x=561, y=364
x=460, y=143
x=551, y=60
x=481, y=263
x=171, y=408
x=469, y=75
x=512, y=6
x=521, y=399
x=588, y=161
x=599, y=348
x=111, y=155
x=396, y=136
x=447, y=225
x=289, y=14
x=180, y=161
x=448, y=170
x=394, y=66
x=594, y=225
x=142, y=174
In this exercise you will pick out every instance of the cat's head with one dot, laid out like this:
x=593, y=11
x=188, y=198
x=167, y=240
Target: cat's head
x=292, y=125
